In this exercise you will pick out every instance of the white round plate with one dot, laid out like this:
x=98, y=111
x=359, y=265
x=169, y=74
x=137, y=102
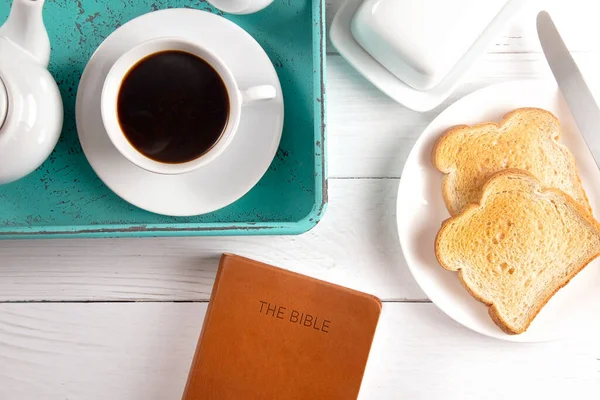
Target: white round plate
x=421, y=210
x=234, y=172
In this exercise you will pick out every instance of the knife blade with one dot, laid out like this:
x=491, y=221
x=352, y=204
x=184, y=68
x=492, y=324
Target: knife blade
x=578, y=96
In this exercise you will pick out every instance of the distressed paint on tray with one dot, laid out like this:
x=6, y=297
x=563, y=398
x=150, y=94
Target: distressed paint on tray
x=65, y=198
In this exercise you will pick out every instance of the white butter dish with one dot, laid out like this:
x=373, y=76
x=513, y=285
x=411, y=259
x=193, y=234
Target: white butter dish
x=416, y=51
x=420, y=41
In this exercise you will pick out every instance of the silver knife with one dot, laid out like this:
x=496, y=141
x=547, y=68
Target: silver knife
x=581, y=103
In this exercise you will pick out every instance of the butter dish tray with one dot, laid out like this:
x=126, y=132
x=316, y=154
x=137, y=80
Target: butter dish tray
x=422, y=96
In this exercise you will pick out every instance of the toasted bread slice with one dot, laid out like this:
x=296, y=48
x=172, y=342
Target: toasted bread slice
x=518, y=247
x=527, y=138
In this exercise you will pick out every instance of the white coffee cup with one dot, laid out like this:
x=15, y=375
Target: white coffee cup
x=240, y=6
x=237, y=99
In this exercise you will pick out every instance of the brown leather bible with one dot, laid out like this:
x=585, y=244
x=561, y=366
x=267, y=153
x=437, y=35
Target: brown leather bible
x=274, y=334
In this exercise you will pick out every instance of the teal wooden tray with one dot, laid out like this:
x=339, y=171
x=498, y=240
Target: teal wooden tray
x=65, y=198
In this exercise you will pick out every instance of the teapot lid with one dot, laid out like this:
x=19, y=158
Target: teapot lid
x=3, y=103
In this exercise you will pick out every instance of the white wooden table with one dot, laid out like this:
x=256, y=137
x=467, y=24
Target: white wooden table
x=119, y=319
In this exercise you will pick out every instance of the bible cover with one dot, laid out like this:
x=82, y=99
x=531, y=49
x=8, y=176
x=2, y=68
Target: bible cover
x=274, y=334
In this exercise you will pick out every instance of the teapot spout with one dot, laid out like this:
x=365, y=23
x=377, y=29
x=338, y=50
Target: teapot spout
x=25, y=28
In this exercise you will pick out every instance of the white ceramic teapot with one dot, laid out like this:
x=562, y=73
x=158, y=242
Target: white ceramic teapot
x=31, y=112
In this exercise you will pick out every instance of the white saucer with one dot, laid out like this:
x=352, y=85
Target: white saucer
x=233, y=173
x=421, y=210
x=341, y=36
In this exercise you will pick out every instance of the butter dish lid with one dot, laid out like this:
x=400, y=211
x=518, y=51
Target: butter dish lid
x=420, y=41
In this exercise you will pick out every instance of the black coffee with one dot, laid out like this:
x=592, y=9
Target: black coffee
x=173, y=107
